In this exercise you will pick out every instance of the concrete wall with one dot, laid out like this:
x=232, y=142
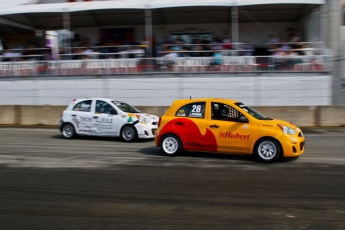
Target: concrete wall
x=302, y=116
x=161, y=89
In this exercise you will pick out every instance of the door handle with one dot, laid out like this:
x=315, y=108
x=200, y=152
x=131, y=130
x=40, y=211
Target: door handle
x=73, y=115
x=214, y=126
x=95, y=117
x=179, y=123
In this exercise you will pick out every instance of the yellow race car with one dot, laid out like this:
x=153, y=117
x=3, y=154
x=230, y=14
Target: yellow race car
x=226, y=126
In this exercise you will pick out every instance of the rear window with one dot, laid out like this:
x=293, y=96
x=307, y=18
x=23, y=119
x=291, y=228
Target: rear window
x=192, y=110
x=84, y=106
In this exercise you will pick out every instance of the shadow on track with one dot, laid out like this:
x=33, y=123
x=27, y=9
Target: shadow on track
x=96, y=138
x=156, y=151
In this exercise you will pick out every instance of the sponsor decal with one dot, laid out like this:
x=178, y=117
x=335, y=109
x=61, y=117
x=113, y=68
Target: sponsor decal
x=130, y=119
x=98, y=120
x=233, y=135
x=267, y=125
x=199, y=115
x=181, y=113
x=245, y=126
x=104, y=120
x=76, y=122
x=85, y=119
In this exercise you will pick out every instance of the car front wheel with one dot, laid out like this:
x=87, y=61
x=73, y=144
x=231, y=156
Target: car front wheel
x=68, y=131
x=129, y=133
x=171, y=145
x=267, y=150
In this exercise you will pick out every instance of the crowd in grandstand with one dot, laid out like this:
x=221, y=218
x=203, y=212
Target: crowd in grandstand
x=170, y=47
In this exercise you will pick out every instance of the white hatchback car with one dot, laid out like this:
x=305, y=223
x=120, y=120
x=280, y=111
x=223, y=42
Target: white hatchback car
x=106, y=117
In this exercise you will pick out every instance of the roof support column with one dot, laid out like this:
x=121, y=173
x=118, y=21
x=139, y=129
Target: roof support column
x=148, y=32
x=234, y=25
x=67, y=27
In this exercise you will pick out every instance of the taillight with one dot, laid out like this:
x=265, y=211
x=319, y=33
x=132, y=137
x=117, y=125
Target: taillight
x=159, y=121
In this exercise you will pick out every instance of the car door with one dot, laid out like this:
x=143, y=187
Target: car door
x=190, y=125
x=232, y=135
x=81, y=117
x=105, y=119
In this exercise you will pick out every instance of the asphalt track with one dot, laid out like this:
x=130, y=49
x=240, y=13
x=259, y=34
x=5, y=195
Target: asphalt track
x=47, y=182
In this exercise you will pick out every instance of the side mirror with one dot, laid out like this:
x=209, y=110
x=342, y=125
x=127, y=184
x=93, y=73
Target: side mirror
x=113, y=111
x=242, y=119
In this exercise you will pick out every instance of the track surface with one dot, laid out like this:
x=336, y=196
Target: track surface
x=47, y=182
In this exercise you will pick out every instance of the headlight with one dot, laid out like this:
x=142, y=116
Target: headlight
x=287, y=129
x=144, y=119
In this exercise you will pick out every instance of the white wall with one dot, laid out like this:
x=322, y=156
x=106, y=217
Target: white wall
x=160, y=90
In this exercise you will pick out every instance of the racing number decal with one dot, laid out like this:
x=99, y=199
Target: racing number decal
x=196, y=109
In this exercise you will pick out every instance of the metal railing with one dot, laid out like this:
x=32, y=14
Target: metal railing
x=222, y=64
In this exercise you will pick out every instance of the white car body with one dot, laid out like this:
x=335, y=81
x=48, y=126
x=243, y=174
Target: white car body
x=107, y=117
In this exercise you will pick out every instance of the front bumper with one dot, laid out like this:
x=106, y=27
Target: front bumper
x=293, y=146
x=146, y=131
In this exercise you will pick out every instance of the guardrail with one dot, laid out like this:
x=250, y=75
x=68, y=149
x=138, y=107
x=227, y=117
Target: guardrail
x=225, y=64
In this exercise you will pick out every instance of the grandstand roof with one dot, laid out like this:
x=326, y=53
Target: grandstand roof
x=23, y=6
x=47, y=14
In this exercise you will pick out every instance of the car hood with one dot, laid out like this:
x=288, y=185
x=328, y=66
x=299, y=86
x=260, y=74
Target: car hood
x=149, y=116
x=282, y=122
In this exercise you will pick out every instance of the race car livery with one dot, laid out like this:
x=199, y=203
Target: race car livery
x=226, y=126
x=106, y=117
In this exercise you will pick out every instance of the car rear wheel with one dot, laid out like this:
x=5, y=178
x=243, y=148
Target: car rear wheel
x=68, y=131
x=171, y=145
x=267, y=150
x=129, y=133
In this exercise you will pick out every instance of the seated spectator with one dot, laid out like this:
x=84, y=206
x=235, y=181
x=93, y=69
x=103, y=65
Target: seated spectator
x=171, y=55
x=217, y=61
x=291, y=59
x=249, y=49
x=285, y=47
x=197, y=47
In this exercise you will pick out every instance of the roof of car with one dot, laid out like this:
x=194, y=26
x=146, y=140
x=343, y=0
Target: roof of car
x=97, y=98
x=206, y=99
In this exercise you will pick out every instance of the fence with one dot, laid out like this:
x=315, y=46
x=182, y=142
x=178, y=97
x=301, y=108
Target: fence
x=224, y=64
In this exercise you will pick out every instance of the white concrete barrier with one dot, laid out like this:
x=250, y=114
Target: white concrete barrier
x=303, y=116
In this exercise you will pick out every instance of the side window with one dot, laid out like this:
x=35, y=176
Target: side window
x=193, y=110
x=103, y=107
x=224, y=112
x=84, y=106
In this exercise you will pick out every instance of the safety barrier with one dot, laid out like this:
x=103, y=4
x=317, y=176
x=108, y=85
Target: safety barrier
x=225, y=64
x=317, y=116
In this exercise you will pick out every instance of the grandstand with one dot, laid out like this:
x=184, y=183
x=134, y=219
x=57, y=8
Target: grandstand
x=140, y=38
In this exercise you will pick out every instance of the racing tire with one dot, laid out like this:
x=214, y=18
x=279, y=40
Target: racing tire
x=267, y=150
x=68, y=131
x=171, y=145
x=129, y=133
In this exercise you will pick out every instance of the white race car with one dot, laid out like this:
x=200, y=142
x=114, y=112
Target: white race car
x=106, y=117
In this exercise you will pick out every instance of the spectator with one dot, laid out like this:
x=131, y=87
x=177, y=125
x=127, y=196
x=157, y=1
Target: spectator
x=217, y=61
x=249, y=49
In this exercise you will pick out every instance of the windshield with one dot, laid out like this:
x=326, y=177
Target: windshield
x=252, y=112
x=126, y=107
